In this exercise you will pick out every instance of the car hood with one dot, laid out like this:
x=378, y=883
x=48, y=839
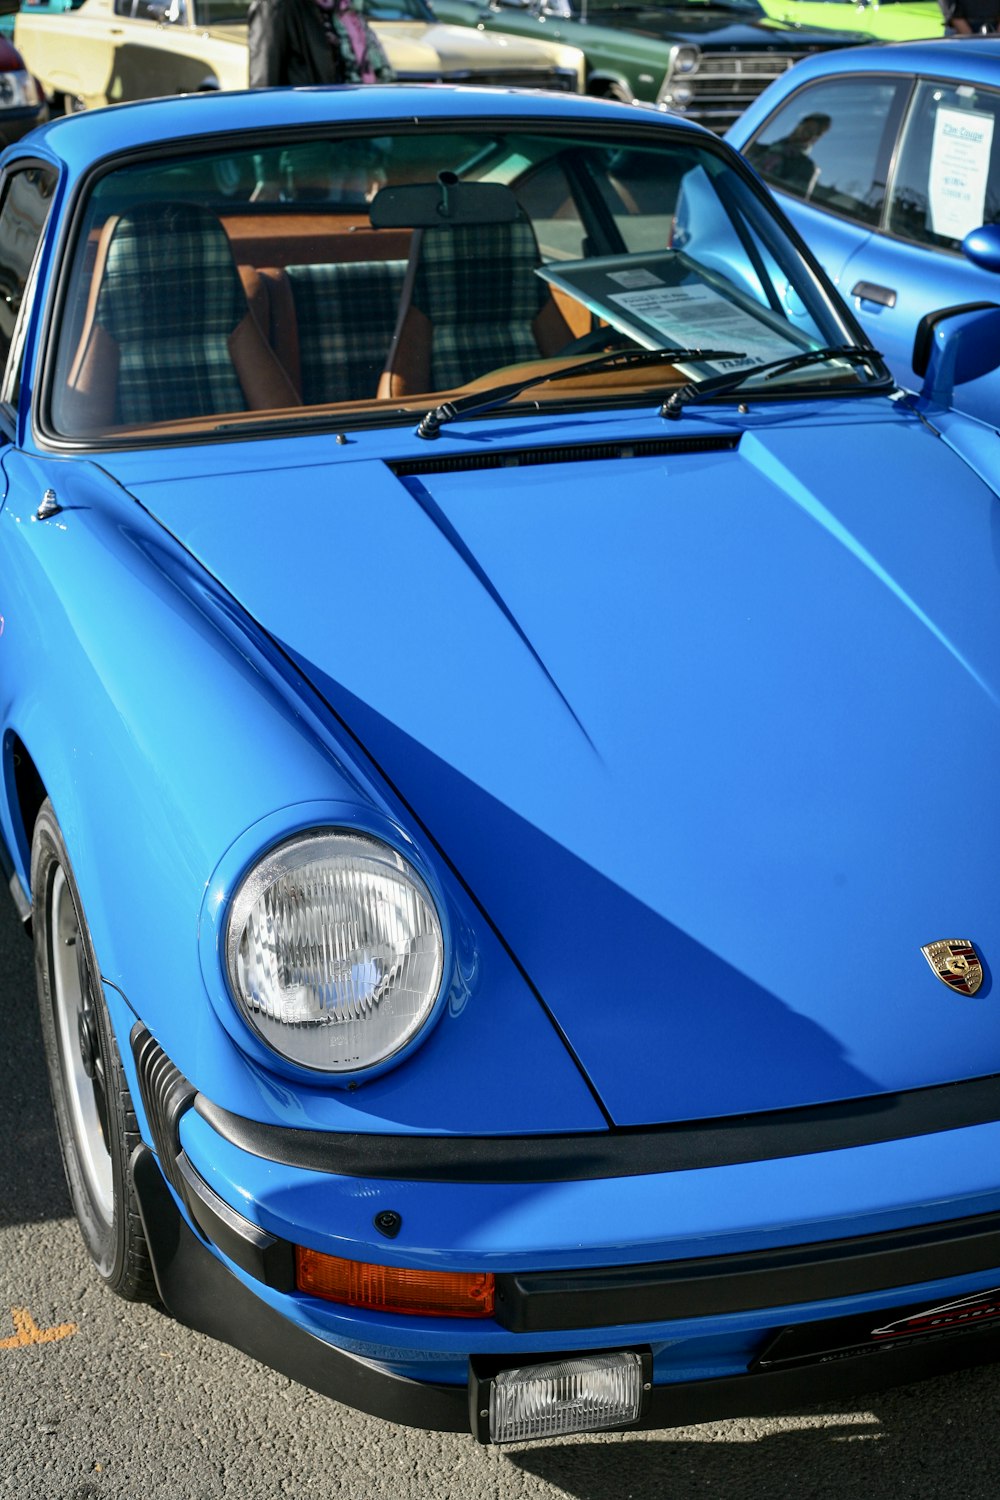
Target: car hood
x=416, y=50
x=712, y=737
x=458, y=50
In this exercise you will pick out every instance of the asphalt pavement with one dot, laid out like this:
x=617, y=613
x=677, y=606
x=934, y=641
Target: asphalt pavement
x=100, y=1400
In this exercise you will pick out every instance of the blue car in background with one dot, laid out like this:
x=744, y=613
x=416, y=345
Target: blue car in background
x=502, y=786
x=887, y=160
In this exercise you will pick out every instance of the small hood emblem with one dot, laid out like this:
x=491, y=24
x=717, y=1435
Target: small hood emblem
x=956, y=963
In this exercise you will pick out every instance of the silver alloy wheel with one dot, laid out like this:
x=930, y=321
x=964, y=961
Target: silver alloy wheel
x=83, y=1064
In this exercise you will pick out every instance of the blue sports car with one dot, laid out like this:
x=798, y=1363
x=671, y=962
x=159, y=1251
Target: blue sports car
x=474, y=663
x=887, y=160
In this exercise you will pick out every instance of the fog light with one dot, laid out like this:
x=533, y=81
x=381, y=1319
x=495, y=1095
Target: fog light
x=586, y=1394
x=430, y=1294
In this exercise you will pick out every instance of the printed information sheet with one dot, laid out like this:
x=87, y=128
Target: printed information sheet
x=695, y=316
x=664, y=298
x=960, y=167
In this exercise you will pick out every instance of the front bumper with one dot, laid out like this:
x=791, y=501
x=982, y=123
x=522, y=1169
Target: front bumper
x=759, y=1330
x=198, y=1289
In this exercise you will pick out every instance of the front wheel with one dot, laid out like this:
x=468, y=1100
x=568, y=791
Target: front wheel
x=95, y=1119
x=602, y=89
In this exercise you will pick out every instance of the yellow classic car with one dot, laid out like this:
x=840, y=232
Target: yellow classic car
x=111, y=51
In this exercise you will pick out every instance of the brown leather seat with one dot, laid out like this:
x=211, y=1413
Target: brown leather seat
x=471, y=303
x=168, y=332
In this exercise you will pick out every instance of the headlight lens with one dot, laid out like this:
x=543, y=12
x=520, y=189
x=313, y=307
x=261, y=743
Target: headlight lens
x=335, y=951
x=685, y=59
x=18, y=90
x=679, y=96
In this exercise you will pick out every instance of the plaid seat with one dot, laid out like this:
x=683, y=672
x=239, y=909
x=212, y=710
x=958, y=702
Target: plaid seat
x=346, y=315
x=476, y=284
x=170, y=297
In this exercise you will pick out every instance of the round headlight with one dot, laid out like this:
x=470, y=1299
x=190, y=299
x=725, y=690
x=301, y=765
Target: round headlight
x=335, y=951
x=679, y=96
x=684, y=59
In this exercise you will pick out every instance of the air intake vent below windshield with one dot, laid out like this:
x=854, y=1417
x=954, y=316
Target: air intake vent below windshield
x=521, y=458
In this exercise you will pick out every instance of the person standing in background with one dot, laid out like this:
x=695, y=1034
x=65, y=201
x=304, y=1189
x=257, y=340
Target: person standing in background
x=301, y=42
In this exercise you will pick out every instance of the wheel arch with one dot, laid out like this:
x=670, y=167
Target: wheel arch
x=25, y=792
x=603, y=85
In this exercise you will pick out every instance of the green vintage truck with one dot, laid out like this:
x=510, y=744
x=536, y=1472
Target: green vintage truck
x=707, y=59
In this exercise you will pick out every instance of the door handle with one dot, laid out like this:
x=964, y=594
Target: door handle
x=885, y=296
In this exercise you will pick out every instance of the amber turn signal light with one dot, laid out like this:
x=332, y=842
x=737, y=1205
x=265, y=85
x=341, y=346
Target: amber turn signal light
x=431, y=1294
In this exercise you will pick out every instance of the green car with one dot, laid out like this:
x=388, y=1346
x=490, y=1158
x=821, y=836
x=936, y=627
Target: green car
x=707, y=59
x=882, y=20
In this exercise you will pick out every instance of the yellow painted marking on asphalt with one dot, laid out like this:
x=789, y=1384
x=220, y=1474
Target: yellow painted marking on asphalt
x=27, y=1331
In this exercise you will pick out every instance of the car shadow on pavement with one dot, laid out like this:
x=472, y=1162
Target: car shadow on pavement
x=921, y=1442
x=32, y=1187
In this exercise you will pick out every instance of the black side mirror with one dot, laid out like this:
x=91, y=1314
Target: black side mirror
x=955, y=345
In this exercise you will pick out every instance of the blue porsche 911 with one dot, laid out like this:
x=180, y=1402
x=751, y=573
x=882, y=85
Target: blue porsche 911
x=487, y=703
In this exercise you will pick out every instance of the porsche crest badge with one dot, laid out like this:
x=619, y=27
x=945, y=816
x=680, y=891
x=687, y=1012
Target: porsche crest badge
x=956, y=963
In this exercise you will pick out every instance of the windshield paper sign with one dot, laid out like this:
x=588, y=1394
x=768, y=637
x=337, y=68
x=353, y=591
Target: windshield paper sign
x=960, y=164
x=699, y=316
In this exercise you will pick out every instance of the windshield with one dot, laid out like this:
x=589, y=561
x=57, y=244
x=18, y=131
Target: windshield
x=220, y=12
x=359, y=278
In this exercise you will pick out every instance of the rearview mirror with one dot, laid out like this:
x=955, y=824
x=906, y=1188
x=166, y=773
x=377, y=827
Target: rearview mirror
x=423, y=205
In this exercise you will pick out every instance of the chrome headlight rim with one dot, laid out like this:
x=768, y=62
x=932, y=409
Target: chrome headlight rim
x=248, y=857
x=685, y=60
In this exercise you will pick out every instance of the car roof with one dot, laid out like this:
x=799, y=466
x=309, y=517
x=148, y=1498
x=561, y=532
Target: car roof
x=78, y=141
x=975, y=59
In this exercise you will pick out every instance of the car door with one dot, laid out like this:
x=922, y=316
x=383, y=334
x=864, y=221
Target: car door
x=157, y=51
x=946, y=182
x=71, y=54
x=825, y=152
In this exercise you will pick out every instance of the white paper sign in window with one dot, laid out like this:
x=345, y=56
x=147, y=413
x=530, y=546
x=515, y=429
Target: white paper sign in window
x=960, y=167
x=697, y=316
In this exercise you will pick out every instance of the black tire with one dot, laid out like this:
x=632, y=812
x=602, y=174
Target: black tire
x=95, y=1119
x=615, y=91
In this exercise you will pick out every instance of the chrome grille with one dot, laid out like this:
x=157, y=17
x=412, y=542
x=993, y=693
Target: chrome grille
x=562, y=79
x=726, y=82
x=511, y=78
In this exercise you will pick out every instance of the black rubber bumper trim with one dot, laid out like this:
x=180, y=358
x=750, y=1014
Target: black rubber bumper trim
x=200, y=1292
x=260, y=1254
x=616, y=1153
x=547, y=1301
x=769, y=1393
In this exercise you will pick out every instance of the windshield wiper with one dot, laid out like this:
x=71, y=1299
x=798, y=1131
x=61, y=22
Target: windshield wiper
x=721, y=385
x=500, y=395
